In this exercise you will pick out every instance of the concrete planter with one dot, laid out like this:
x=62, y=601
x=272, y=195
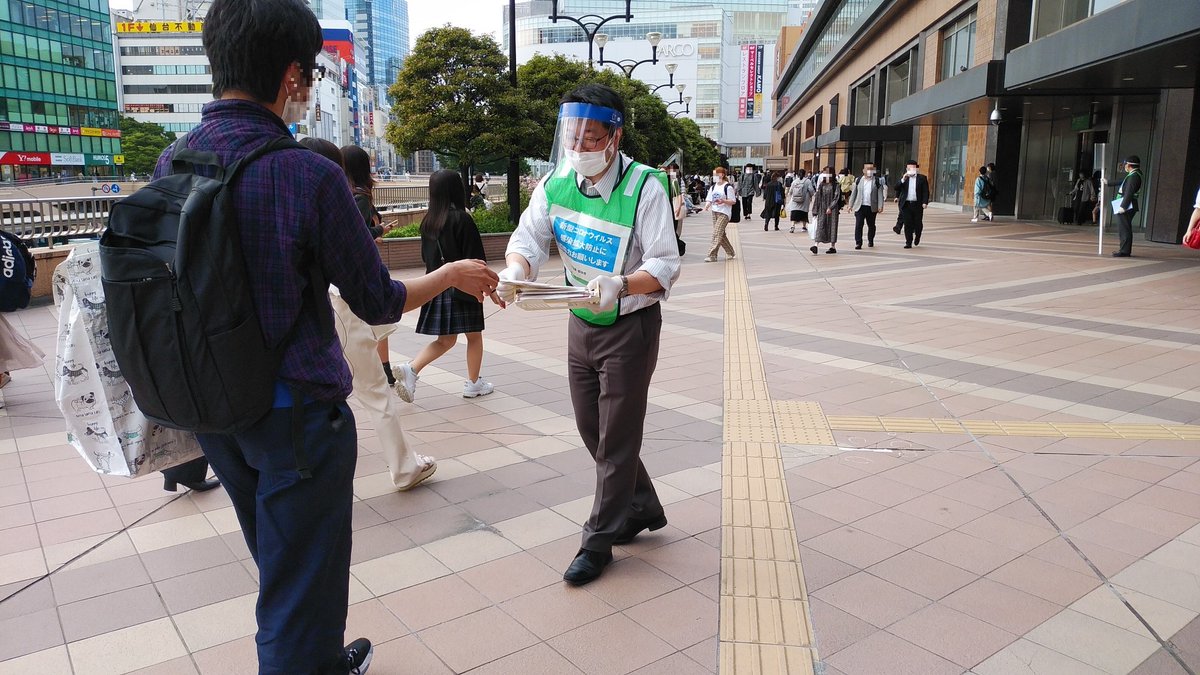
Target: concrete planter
x=406, y=253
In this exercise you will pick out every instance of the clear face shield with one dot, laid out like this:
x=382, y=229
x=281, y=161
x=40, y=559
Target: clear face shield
x=586, y=137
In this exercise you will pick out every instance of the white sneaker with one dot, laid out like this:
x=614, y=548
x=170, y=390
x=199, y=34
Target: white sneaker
x=710, y=259
x=477, y=388
x=406, y=382
x=428, y=467
x=974, y=220
x=792, y=229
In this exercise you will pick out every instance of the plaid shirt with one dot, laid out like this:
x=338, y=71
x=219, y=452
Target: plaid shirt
x=295, y=206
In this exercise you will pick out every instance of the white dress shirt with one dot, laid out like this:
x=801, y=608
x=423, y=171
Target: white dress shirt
x=652, y=247
x=912, y=188
x=868, y=191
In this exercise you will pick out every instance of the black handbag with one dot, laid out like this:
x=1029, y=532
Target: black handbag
x=736, y=216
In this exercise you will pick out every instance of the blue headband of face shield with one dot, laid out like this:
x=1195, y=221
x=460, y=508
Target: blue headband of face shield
x=607, y=116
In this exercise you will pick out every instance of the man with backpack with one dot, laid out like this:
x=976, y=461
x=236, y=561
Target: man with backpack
x=285, y=449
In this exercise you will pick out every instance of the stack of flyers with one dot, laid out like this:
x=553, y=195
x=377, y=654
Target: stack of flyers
x=534, y=295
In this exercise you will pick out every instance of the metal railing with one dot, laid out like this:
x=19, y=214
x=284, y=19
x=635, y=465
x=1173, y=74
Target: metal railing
x=54, y=220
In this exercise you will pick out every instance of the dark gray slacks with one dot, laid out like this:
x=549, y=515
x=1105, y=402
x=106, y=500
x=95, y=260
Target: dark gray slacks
x=609, y=370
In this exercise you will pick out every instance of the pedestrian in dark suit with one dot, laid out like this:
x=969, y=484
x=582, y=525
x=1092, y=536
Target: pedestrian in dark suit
x=1128, y=194
x=912, y=194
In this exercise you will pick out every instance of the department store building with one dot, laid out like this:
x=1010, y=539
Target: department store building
x=1076, y=85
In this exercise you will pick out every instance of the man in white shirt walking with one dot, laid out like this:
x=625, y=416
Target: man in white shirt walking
x=867, y=196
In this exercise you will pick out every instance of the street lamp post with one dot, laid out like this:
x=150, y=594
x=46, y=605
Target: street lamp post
x=671, y=81
x=687, y=105
x=590, y=24
x=629, y=65
x=514, y=164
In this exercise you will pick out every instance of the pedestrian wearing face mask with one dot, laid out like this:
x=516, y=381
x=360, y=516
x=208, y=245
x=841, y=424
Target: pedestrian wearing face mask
x=748, y=186
x=800, y=195
x=867, y=197
x=1128, y=208
x=612, y=221
x=721, y=199
x=846, y=183
x=826, y=205
x=912, y=194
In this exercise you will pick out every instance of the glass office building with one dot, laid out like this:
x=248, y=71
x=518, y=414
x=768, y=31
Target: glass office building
x=699, y=37
x=383, y=25
x=58, y=90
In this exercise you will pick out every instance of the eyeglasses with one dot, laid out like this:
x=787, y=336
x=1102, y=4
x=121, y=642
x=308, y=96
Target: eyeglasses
x=586, y=144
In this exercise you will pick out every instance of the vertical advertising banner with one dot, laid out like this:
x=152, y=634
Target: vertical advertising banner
x=751, y=78
x=758, y=79
x=743, y=82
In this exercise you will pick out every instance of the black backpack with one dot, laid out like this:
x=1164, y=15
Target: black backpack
x=17, y=272
x=989, y=189
x=184, y=328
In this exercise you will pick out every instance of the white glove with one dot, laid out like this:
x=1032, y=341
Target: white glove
x=504, y=289
x=607, y=288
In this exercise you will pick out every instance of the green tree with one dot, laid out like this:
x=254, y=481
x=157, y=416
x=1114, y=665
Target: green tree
x=142, y=143
x=700, y=155
x=453, y=97
x=650, y=137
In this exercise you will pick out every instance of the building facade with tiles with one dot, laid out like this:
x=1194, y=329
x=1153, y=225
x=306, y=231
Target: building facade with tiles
x=1077, y=85
x=58, y=94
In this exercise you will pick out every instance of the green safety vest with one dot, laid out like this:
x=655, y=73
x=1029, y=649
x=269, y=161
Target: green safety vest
x=595, y=237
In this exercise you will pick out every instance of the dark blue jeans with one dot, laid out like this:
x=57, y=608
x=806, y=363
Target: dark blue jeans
x=298, y=530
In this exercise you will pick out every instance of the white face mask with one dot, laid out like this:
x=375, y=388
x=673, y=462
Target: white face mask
x=869, y=172
x=717, y=178
x=589, y=163
x=823, y=177
x=672, y=174
x=912, y=171
x=295, y=108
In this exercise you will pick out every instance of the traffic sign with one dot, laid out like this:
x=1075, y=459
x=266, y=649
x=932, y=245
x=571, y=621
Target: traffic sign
x=106, y=188
x=116, y=188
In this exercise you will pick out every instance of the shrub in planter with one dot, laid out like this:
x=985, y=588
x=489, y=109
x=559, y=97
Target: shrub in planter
x=491, y=218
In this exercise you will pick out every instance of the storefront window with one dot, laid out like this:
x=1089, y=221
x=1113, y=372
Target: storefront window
x=1053, y=15
x=951, y=162
x=898, y=83
x=861, y=100
x=958, y=46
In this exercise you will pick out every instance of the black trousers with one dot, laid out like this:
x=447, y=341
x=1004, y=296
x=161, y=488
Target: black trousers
x=609, y=368
x=867, y=214
x=769, y=213
x=1125, y=230
x=298, y=529
x=912, y=215
x=747, y=206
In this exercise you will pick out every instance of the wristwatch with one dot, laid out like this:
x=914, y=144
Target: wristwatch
x=624, y=287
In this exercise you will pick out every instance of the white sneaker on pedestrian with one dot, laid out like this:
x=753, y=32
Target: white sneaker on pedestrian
x=792, y=229
x=428, y=466
x=710, y=259
x=477, y=388
x=406, y=382
x=974, y=220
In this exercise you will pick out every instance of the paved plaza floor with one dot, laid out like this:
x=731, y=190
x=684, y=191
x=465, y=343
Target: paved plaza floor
x=978, y=455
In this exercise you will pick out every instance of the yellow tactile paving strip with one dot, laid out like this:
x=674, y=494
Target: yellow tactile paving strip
x=765, y=624
x=1139, y=432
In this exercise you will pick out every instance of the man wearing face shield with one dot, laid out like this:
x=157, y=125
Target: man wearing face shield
x=612, y=220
